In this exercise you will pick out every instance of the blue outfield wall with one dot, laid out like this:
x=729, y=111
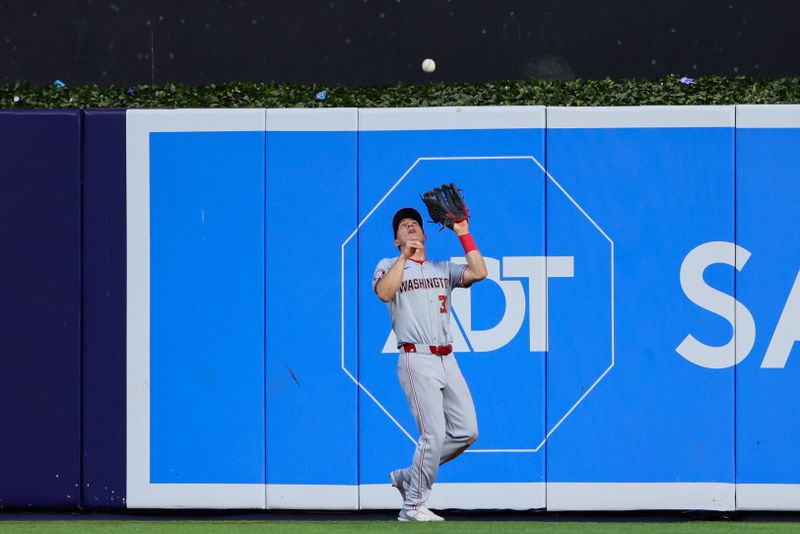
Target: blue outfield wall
x=629, y=209
x=207, y=307
x=189, y=319
x=311, y=403
x=768, y=288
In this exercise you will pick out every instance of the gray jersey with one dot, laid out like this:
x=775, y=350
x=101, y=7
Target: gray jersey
x=420, y=310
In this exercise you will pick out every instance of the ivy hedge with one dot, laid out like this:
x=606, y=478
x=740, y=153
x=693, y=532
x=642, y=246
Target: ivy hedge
x=671, y=90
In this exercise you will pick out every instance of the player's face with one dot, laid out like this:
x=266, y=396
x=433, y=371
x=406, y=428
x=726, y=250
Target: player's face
x=407, y=230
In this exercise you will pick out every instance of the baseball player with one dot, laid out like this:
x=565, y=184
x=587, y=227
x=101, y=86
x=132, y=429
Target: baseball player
x=417, y=293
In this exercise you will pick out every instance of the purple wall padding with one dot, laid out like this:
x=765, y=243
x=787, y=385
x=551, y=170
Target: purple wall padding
x=40, y=306
x=104, y=309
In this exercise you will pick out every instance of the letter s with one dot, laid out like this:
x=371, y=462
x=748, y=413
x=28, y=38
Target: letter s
x=718, y=303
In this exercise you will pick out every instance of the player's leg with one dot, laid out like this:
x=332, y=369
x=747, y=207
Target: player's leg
x=461, y=423
x=422, y=379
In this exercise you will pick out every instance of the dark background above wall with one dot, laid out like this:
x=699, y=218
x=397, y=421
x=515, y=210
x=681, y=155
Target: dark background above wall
x=366, y=42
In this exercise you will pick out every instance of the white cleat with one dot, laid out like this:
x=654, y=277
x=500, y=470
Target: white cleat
x=422, y=513
x=397, y=482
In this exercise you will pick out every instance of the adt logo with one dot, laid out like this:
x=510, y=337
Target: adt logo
x=508, y=273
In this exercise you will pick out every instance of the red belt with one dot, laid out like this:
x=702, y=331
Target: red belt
x=441, y=350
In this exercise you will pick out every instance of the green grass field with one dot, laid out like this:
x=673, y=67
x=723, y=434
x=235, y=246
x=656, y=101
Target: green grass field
x=327, y=527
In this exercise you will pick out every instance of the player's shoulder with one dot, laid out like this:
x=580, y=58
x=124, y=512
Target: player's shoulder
x=387, y=262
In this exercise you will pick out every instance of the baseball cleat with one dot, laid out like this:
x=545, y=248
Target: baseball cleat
x=422, y=513
x=397, y=482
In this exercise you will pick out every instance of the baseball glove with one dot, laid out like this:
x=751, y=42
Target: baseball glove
x=445, y=205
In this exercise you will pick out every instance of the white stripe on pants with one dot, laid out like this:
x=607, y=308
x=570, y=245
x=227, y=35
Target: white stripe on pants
x=442, y=406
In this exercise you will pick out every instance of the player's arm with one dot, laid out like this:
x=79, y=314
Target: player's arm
x=388, y=285
x=476, y=267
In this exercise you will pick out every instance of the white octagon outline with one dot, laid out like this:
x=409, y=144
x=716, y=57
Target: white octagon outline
x=583, y=212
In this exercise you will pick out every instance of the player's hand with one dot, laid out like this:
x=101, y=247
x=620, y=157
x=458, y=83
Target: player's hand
x=461, y=228
x=410, y=248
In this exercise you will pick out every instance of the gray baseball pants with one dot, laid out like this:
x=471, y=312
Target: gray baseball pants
x=442, y=406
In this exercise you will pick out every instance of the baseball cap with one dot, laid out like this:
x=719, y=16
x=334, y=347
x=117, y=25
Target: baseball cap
x=405, y=213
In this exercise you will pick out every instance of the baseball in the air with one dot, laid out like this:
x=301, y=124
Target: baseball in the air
x=429, y=65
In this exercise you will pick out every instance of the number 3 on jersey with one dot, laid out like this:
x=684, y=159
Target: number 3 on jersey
x=443, y=299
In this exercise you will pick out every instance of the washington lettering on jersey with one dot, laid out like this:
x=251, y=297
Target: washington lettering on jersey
x=424, y=283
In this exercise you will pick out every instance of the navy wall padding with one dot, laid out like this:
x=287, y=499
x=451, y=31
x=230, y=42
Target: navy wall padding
x=40, y=292
x=104, y=309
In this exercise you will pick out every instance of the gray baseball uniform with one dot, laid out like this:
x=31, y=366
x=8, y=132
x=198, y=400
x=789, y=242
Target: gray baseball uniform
x=434, y=386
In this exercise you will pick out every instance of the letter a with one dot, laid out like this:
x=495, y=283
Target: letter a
x=787, y=332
